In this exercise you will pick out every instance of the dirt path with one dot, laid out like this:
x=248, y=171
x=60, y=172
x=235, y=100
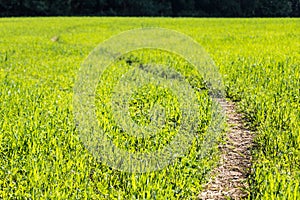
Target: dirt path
x=229, y=178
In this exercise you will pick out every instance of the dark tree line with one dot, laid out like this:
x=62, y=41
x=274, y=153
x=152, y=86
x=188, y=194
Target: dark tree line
x=200, y=8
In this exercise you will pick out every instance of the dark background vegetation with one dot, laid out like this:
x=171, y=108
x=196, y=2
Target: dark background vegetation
x=174, y=8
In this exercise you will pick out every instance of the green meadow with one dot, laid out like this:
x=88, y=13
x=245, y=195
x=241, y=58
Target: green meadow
x=42, y=156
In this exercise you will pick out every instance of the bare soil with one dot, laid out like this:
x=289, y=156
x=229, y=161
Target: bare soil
x=229, y=179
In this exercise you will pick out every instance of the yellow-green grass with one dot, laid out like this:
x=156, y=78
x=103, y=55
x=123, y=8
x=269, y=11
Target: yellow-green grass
x=41, y=155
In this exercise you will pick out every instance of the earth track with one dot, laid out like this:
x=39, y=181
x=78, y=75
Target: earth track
x=229, y=179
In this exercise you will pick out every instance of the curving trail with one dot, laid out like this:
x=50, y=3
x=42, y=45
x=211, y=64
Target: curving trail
x=230, y=180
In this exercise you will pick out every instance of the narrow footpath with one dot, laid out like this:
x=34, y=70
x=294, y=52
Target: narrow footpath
x=229, y=179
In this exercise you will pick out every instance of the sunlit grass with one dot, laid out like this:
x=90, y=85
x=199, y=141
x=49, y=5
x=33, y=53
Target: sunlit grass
x=42, y=156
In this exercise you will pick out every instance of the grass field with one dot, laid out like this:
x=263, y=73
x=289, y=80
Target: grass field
x=41, y=155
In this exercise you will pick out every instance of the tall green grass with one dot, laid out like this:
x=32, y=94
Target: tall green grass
x=41, y=155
